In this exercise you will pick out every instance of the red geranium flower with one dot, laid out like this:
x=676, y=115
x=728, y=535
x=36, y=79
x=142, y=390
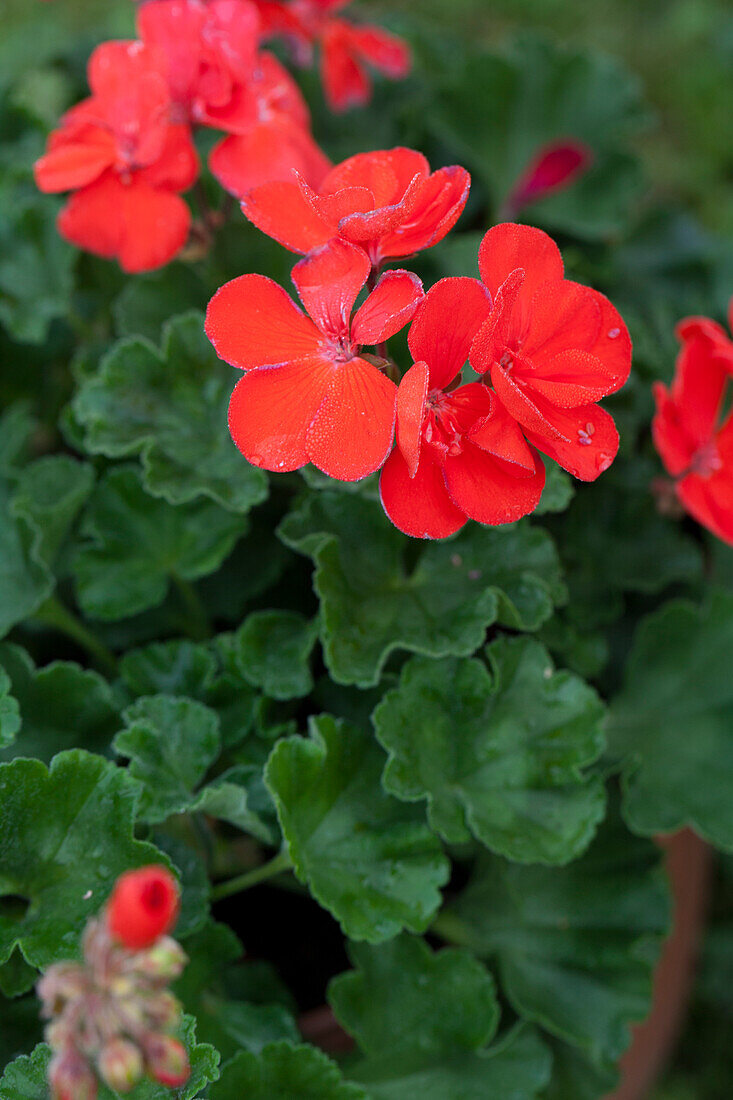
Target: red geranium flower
x=552, y=348
x=271, y=137
x=143, y=906
x=125, y=161
x=459, y=454
x=308, y=394
x=388, y=202
x=720, y=343
x=695, y=446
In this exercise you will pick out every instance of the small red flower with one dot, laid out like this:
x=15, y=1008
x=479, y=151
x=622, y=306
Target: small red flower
x=387, y=202
x=552, y=348
x=143, y=906
x=554, y=167
x=309, y=395
x=125, y=161
x=459, y=454
x=690, y=432
x=270, y=134
x=720, y=344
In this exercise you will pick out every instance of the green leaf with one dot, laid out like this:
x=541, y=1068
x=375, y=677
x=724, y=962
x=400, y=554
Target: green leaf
x=547, y=93
x=26, y=1077
x=49, y=495
x=149, y=300
x=24, y=581
x=20, y=1028
x=670, y=723
x=240, y=797
x=138, y=544
x=283, y=1071
x=9, y=712
x=177, y=667
x=171, y=743
x=498, y=756
x=170, y=406
x=558, y=491
x=65, y=836
x=366, y=857
x=273, y=649
x=575, y=946
x=372, y=602
x=423, y=1021
x=62, y=706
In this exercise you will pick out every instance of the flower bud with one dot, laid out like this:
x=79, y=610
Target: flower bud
x=167, y=1060
x=162, y=1011
x=120, y=1065
x=143, y=906
x=70, y=1078
x=62, y=982
x=164, y=961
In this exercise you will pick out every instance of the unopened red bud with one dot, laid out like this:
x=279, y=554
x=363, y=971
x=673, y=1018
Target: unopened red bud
x=167, y=1060
x=71, y=1078
x=554, y=167
x=164, y=961
x=162, y=1011
x=120, y=1065
x=143, y=906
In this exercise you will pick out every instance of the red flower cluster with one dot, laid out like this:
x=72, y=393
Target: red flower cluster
x=347, y=49
x=127, y=153
x=693, y=429
x=544, y=350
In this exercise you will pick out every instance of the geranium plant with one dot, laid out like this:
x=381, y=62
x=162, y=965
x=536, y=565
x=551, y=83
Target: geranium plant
x=364, y=595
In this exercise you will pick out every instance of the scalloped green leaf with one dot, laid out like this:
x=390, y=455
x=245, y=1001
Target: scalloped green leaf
x=66, y=834
x=62, y=706
x=138, y=544
x=49, y=494
x=25, y=581
x=273, y=651
x=284, y=1071
x=26, y=1077
x=670, y=723
x=373, y=602
x=366, y=857
x=499, y=756
x=575, y=946
x=9, y=712
x=423, y=1021
x=170, y=407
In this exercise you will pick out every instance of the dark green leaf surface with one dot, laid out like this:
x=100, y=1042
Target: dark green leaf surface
x=423, y=1021
x=9, y=712
x=65, y=836
x=170, y=406
x=138, y=544
x=498, y=756
x=62, y=706
x=284, y=1071
x=366, y=857
x=575, y=946
x=372, y=603
x=273, y=650
x=671, y=722
x=24, y=581
x=48, y=496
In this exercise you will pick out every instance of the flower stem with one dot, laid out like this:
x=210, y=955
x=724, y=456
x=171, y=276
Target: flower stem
x=54, y=614
x=197, y=619
x=281, y=862
x=452, y=929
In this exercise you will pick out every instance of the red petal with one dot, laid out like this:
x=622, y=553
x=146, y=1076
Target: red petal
x=508, y=246
x=438, y=206
x=388, y=308
x=528, y=409
x=554, y=167
x=385, y=172
x=501, y=436
x=127, y=78
x=252, y=322
x=177, y=167
x=328, y=282
x=369, y=225
x=274, y=150
x=345, y=80
x=697, y=390
x=571, y=379
x=445, y=325
x=412, y=394
x=92, y=218
x=673, y=443
x=418, y=506
x=710, y=501
x=156, y=227
x=590, y=444
x=272, y=408
x=613, y=346
x=76, y=160
x=281, y=210
x=487, y=490
x=563, y=315
x=386, y=52
x=496, y=334
x=175, y=27
x=351, y=434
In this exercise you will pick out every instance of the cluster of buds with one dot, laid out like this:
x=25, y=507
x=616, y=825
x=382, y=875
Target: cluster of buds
x=111, y=1016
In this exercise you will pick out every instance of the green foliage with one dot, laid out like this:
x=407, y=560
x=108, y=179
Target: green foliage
x=273, y=650
x=284, y=1070
x=9, y=712
x=366, y=857
x=498, y=756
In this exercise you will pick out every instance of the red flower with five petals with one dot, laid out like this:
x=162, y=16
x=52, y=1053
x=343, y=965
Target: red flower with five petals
x=695, y=447
x=459, y=454
x=387, y=202
x=309, y=395
x=125, y=161
x=552, y=348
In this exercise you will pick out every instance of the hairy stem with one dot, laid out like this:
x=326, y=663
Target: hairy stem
x=276, y=866
x=54, y=614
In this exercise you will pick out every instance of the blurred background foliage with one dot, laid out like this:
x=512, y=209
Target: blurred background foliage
x=648, y=83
